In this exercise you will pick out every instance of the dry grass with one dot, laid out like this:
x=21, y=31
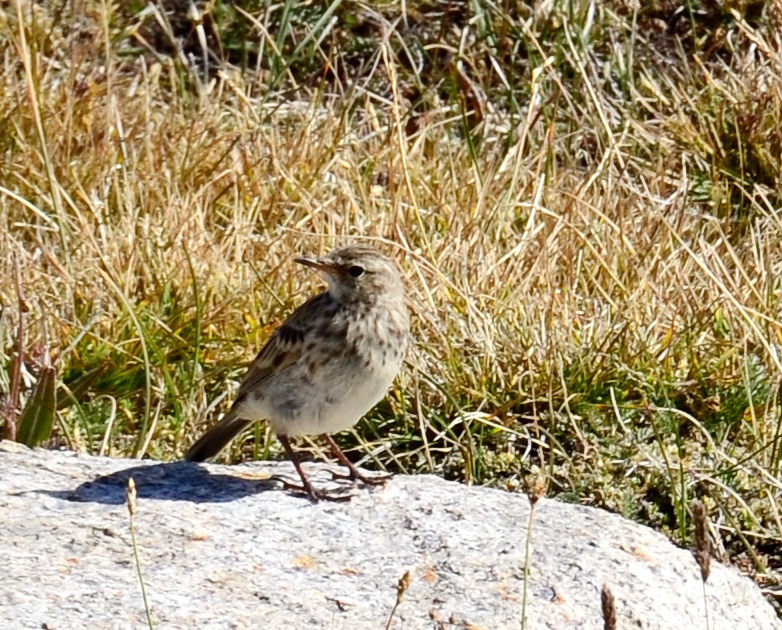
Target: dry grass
x=585, y=199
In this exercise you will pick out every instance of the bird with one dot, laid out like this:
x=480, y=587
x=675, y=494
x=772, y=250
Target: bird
x=329, y=363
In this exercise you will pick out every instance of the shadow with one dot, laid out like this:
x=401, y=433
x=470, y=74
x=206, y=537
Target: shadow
x=170, y=481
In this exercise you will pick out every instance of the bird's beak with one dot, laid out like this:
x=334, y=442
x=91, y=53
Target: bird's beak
x=318, y=264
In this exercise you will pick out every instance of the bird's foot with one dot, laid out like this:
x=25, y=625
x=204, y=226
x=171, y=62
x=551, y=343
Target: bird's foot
x=354, y=474
x=313, y=494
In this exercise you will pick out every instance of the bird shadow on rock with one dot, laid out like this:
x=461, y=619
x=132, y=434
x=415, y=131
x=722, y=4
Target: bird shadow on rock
x=171, y=481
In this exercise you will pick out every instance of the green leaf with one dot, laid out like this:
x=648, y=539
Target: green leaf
x=37, y=419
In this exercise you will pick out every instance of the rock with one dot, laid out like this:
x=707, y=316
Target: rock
x=227, y=547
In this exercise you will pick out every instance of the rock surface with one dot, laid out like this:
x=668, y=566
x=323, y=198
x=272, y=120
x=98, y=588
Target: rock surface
x=227, y=547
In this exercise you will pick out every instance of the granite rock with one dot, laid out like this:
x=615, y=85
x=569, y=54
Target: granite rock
x=229, y=547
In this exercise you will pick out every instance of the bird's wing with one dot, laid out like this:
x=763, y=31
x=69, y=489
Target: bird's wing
x=284, y=347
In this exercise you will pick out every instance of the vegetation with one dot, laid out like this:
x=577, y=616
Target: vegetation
x=584, y=196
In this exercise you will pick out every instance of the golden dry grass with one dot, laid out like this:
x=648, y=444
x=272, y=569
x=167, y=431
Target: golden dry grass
x=594, y=271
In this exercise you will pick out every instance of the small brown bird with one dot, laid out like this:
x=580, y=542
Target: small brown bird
x=328, y=364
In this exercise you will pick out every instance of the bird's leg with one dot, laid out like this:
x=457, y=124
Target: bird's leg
x=305, y=486
x=354, y=473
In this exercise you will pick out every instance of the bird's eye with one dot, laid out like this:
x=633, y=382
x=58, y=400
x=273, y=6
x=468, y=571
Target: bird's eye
x=356, y=271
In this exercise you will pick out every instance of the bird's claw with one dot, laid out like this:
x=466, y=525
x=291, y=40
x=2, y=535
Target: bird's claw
x=315, y=495
x=357, y=476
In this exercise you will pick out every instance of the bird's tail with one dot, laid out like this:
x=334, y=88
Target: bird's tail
x=217, y=438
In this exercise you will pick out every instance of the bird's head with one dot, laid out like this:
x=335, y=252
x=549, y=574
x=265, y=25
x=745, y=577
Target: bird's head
x=357, y=273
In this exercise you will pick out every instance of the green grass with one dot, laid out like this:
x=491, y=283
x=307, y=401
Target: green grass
x=585, y=201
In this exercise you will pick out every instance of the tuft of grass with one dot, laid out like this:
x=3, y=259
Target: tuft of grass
x=585, y=198
x=536, y=489
x=608, y=606
x=401, y=589
x=130, y=499
x=702, y=551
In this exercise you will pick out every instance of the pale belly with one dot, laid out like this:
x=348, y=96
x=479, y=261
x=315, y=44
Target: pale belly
x=297, y=404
